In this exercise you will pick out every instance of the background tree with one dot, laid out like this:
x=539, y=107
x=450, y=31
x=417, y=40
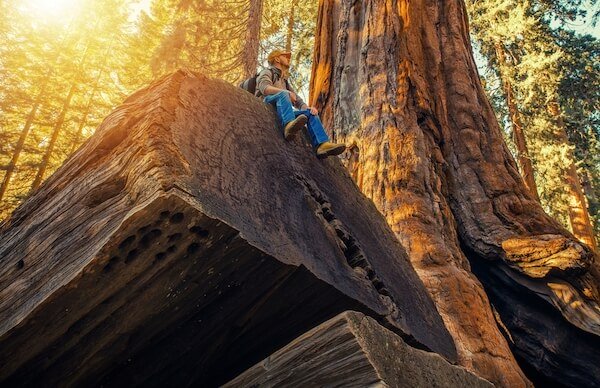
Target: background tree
x=50, y=66
x=579, y=96
x=519, y=42
x=45, y=75
x=251, y=44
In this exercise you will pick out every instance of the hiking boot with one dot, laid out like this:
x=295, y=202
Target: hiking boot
x=294, y=126
x=329, y=149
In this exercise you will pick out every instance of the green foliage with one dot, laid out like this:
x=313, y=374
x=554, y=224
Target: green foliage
x=555, y=76
x=579, y=96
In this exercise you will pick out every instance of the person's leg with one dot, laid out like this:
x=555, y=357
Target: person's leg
x=283, y=105
x=318, y=137
x=316, y=132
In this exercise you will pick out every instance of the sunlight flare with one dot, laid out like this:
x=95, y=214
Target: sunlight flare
x=54, y=9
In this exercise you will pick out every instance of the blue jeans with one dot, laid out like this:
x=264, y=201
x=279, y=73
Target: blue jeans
x=286, y=113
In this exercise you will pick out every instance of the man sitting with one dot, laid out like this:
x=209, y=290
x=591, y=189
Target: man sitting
x=273, y=86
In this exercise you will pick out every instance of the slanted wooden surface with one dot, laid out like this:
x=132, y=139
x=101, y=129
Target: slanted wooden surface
x=353, y=350
x=185, y=241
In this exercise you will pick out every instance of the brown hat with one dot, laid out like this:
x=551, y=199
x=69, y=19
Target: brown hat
x=275, y=53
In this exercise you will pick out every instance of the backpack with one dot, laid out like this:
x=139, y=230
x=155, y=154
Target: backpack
x=249, y=84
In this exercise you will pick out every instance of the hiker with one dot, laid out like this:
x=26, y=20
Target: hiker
x=273, y=86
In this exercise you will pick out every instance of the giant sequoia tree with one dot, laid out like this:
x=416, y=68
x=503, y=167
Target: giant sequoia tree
x=396, y=80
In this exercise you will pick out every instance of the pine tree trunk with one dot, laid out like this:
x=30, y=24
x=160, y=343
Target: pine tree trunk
x=398, y=83
x=55, y=132
x=290, y=26
x=24, y=132
x=56, y=129
x=86, y=112
x=581, y=223
x=517, y=127
x=578, y=210
x=590, y=194
x=88, y=106
x=31, y=116
x=250, y=51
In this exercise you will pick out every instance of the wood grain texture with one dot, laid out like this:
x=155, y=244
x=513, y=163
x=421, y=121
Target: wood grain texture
x=185, y=241
x=396, y=81
x=353, y=350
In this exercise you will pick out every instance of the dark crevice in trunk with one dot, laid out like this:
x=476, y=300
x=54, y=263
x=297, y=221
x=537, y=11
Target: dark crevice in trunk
x=535, y=376
x=551, y=351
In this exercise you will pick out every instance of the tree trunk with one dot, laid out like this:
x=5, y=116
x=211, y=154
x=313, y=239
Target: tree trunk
x=88, y=106
x=290, y=26
x=31, y=116
x=55, y=131
x=579, y=216
x=250, y=51
x=578, y=209
x=84, y=116
x=590, y=194
x=398, y=83
x=24, y=132
x=517, y=126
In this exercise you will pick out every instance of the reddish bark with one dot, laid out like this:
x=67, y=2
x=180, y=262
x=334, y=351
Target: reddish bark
x=397, y=81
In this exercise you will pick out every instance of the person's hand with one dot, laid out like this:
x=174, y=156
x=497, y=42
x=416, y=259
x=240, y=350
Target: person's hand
x=293, y=97
x=313, y=110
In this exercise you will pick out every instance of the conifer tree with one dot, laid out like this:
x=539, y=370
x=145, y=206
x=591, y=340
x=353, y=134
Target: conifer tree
x=50, y=65
x=519, y=42
x=52, y=96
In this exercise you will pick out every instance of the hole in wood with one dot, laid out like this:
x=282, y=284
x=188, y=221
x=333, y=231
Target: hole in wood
x=177, y=218
x=174, y=237
x=193, y=248
x=150, y=237
x=125, y=243
x=104, y=192
x=111, y=263
x=131, y=255
x=199, y=231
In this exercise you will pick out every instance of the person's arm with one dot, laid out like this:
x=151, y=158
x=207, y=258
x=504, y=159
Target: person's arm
x=299, y=103
x=264, y=83
x=270, y=89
